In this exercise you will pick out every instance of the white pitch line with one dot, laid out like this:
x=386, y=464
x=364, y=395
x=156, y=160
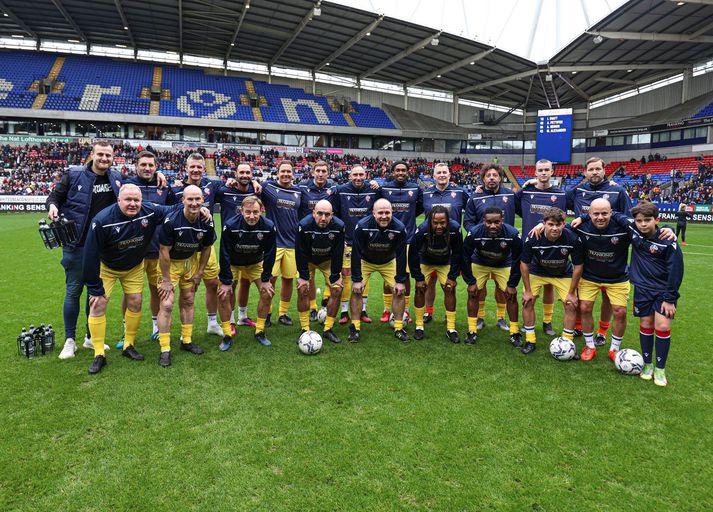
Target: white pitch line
x=696, y=245
x=697, y=253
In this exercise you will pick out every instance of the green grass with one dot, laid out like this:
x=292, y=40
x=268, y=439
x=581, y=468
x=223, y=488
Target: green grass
x=374, y=426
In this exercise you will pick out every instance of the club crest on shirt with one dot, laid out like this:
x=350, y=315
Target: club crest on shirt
x=368, y=198
x=653, y=249
x=329, y=191
x=330, y=236
x=553, y=199
x=410, y=193
x=505, y=199
x=391, y=236
x=503, y=244
x=605, y=196
x=615, y=240
x=144, y=223
x=564, y=251
x=206, y=191
x=159, y=192
x=453, y=195
x=260, y=236
x=199, y=235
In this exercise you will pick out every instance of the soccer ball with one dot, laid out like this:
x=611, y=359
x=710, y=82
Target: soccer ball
x=310, y=343
x=407, y=319
x=629, y=362
x=563, y=349
x=322, y=315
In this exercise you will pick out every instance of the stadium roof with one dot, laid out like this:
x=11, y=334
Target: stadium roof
x=642, y=41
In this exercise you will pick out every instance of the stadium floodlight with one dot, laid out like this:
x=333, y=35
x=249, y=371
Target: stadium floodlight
x=598, y=39
x=5, y=14
x=317, y=11
x=18, y=36
x=434, y=41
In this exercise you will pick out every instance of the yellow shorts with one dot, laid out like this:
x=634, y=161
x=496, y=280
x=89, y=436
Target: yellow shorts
x=285, y=264
x=132, y=280
x=408, y=248
x=499, y=275
x=211, y=268
x=325, y=268
x=182, y=271
x=387, y=271
x=152, y=270
x=440, y=270
x=561, y=284
x=250, y=272
x=618, y=293
x=347, y=260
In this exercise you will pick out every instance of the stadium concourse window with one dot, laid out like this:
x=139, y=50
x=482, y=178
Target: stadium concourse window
x=424, y=145
x=530, y=145
x=22, y=127
x=345, y=141
x=191, y=134
x=478, y=144
x=50, y=128
x=453, y=146
x=641, y=138
x=319, y=141
x=98, y=129
x=578, y=143
x=228, y=136
x=271, y=139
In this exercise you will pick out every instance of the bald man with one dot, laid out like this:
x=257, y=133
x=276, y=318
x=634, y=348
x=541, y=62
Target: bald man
x=379, y=245
x=118, y=239
x=185, y=244
x=320, y=246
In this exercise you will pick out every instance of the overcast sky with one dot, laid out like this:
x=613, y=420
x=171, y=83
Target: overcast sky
x=506, y=24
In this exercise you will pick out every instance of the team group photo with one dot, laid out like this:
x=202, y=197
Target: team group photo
x=311, y=255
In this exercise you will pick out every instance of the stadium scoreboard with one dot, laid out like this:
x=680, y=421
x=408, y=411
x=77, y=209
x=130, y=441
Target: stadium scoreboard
x=554, y=135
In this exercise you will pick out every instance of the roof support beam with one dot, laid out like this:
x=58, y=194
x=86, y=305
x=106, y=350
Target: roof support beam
x=19, y=22
x=70, y=20
x=615, y=80
x=401, y=55
x=613, y=67
x=505, y=79
x=306, y=19
x=637, y=84
x=575, y=88
x=654, y=36
x=180, y=31
x=244, y=12
x=451, y=67
x=125, y=21
x=544, y=90
x=354, y=40
x=702, y=30
x=704, y=2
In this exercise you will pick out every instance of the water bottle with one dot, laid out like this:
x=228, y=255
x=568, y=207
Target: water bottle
x=21, y=341
x=45, y=233
x=28, y=346
x=70, y=229
x=49, y=339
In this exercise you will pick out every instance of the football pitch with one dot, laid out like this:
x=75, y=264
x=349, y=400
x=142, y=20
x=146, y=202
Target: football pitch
x=378, y=425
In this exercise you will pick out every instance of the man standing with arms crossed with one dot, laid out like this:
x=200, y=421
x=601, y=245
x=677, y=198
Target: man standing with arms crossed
x=185, y=247
x=320, y=246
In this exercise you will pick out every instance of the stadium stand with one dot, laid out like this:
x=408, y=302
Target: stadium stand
x=82, y=83
x=705, y=111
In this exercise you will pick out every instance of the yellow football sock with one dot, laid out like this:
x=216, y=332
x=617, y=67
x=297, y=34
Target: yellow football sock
x=419, y=317
x=388, y=301
x=501, y=310
x=327, y=292
x=357, y=324
x=472, y=324
x=313, y=304
x=481, y=310
x=97, y=326
x=547, y=310
x=260, y=325
x=132, y=321
x=530, y=336
x=407, y=301
x=284, y=307
x=304, y=320
x=568, y=334
x=187, y=333
x=398, y=325
x=329, y=323
x=164, y=340
x=226, y=328
x=514, y=327
x=451, y=320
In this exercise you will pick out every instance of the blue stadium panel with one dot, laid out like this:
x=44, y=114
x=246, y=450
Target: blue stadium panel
x=367, y=116
x=196, y=94
x=17, y=72
x=705, y=111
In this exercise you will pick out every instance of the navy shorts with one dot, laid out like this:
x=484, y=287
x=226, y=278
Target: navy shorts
x=647, y=302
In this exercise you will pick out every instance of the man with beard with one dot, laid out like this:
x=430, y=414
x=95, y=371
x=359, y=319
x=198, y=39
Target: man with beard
x=437, y=246
x=320, y=246
x=493, y=194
